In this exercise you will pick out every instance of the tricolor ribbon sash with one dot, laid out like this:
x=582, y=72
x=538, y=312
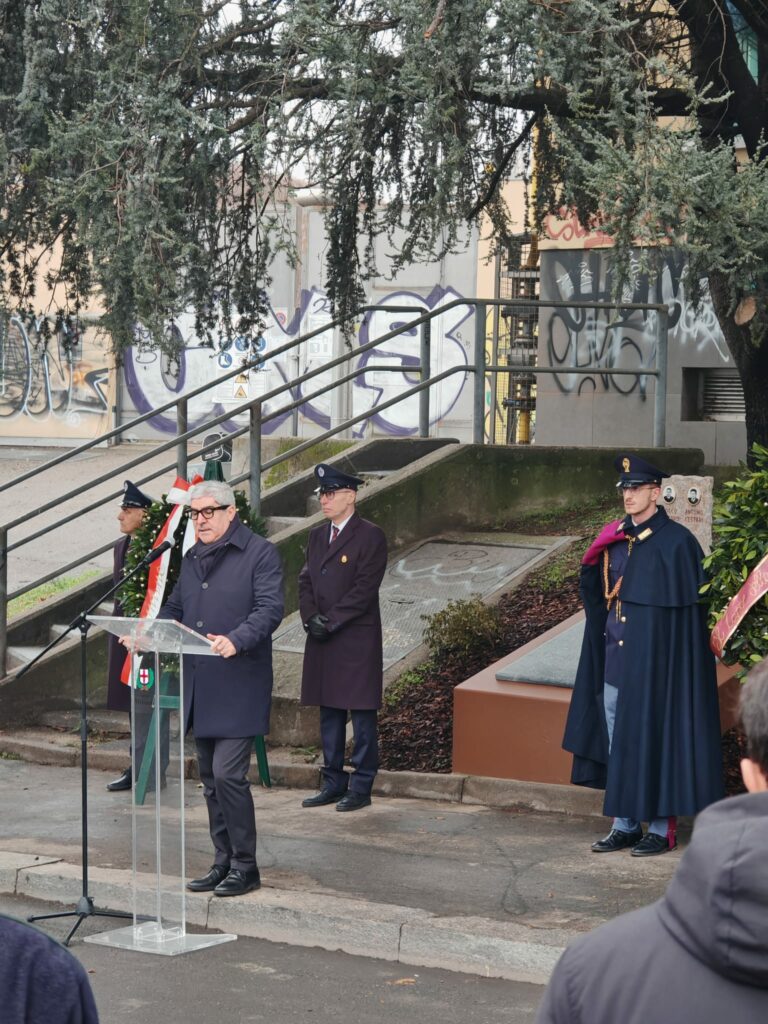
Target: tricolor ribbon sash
x=158, y=571
x=755, y=586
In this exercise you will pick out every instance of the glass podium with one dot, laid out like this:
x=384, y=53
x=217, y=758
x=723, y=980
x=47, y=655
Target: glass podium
x=157, y=760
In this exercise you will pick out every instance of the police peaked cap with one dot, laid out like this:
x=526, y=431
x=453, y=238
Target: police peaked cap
x=133, y=497
x=331, y=479
x=633, y=471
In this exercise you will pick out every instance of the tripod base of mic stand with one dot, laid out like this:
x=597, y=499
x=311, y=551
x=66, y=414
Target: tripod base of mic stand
x=84, y=908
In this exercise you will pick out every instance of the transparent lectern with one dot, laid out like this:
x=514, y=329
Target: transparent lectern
x=157, y=759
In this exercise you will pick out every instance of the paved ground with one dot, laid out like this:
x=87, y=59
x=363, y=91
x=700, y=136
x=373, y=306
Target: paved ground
x=463, y=886
x=252, y=981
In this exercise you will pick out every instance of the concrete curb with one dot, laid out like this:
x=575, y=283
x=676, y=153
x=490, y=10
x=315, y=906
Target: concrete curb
x=449, y=787
x=470, y=945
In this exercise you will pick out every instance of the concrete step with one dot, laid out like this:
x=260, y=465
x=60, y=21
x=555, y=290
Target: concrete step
x=277, y=523
x=296, y=768
x=19, y=656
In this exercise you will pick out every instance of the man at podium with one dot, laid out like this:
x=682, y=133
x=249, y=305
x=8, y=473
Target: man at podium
x=230, y=589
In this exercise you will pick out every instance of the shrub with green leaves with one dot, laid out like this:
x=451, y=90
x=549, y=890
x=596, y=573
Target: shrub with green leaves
x=739, y=543
x=466, y=629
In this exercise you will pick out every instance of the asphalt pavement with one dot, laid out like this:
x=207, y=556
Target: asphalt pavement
x=482, y=890
x=251, y=981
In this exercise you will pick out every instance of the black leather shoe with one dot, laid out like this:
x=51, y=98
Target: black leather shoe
x=124, y=781
x=238, y=882
x=652, y=845
x=325, y=796
x=616, y=840
x=209, y=882
x=353, y=802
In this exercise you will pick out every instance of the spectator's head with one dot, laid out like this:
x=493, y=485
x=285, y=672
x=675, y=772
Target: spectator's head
x=754, y=721
x=212, y=509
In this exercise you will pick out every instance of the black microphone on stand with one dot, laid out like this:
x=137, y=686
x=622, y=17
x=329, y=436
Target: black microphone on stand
x=157, y=552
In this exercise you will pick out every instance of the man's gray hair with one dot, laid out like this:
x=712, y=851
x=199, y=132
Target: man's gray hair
x=221, y=493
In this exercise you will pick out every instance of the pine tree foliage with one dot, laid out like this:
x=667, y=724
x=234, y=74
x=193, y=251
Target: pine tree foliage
x=151, y=146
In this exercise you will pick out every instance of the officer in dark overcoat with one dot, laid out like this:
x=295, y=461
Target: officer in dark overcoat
x=644, y=722
x=339, y=606
x=230, y=589
x=133, y=503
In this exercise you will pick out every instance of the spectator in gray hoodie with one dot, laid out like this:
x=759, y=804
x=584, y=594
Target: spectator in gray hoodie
x=701, y=952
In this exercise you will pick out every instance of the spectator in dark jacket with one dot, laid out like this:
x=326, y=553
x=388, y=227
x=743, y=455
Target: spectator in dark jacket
x=40, y=981
x=701, y=952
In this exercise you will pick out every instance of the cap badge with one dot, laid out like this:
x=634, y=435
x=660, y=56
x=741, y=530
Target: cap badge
x=625, y=465
x=320, y=471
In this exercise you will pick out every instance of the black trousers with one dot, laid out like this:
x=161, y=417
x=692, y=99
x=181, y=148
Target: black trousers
x=223, y=765
x=365, y=752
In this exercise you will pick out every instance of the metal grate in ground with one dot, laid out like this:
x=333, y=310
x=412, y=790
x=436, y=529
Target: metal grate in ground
x=422, y=582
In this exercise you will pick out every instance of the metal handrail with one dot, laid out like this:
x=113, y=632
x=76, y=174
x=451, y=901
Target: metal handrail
x=256, y=418
x=369, y=368
x=174, y=402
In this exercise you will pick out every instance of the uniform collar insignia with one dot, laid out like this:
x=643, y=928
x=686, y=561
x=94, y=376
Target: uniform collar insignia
x=646, y=533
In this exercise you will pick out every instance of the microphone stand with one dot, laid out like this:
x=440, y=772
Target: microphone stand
x=85, y=905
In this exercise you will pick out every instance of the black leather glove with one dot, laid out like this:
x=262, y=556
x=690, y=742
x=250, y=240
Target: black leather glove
x=316, y=627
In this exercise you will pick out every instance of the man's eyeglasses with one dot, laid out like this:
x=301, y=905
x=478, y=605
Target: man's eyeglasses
x=206, y=513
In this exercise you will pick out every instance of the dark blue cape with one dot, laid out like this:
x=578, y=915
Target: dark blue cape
x=666, y=743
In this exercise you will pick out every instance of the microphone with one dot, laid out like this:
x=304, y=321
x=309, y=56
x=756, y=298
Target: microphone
x=157, y=552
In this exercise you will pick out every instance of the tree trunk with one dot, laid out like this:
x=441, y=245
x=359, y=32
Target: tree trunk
x=748, y=345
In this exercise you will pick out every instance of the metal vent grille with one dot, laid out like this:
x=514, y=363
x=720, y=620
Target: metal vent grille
x=722, y=395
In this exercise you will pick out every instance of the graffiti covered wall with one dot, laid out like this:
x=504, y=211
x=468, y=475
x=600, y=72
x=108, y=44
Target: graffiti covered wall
x=604, y=410
x=69, y=391
x=152, y=380
x=56, y=392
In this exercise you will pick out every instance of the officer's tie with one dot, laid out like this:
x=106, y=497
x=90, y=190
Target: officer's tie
x=334, y=532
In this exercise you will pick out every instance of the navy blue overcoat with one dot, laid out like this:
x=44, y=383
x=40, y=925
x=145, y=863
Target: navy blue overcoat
x=239, y=594
x=342, y=580
x=666, y=756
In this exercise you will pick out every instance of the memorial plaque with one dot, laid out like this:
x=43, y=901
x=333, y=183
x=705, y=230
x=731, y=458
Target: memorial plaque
x=688, y=500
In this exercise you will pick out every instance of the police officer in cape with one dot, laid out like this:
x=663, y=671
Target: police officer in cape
x=133, y=504
x=644, y=721
x=339, y=606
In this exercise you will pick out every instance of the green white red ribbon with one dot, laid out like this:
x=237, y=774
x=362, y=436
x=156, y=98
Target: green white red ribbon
x=755, y=586
x=158, y=570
